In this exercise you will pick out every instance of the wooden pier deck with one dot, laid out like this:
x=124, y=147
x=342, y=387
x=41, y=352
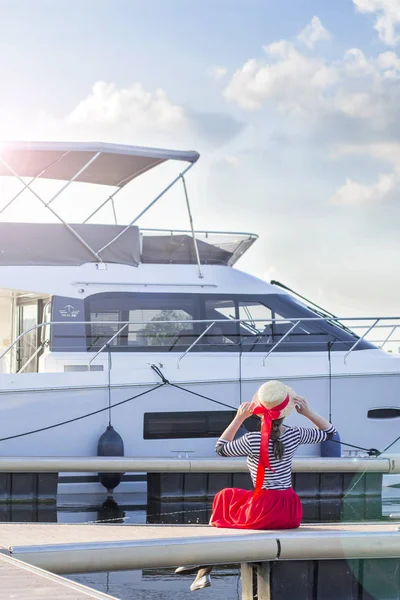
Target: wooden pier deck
x=20, y=581
x=62, y=548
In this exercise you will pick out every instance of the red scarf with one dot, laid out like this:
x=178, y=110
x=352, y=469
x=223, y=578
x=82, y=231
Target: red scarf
x=267, y=416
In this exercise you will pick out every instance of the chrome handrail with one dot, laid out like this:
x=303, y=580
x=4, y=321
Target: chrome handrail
x=389, y=336
x=280, y=341
x=108, y=342
x=34, y=355
x=360, y=340
x=378, y=323
x=194, y=343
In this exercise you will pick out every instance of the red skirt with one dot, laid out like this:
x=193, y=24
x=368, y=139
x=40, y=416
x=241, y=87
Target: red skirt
x=271, y=509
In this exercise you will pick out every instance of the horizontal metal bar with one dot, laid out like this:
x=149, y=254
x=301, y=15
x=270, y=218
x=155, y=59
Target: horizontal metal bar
x=80, y=464
x=142, y=554
x=204, y=231
x=343, y=545
x=146, y=284
x=194, y=321
x=162, y=547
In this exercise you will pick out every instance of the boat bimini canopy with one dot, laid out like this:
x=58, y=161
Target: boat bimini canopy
x=104, y=164
x=98, y=163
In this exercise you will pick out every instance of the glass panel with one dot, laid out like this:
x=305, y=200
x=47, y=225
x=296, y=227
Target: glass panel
x=261, y=332
x=224, y=333
x=147, y=332
x=101, y=331
x=166, y=321
x=28, y=317
x=155, y=320
x=257, y=317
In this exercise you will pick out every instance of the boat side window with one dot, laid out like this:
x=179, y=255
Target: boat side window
x=271, y=322
x=166, y=322
x=224, y=334
x=103, y=329
x=256, y=322
x=153, y=321
x=263, y=328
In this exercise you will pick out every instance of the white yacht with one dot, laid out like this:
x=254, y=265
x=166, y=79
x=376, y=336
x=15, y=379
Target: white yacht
x=93, y=316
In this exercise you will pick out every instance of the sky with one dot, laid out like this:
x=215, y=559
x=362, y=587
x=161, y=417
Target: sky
x=293, y=105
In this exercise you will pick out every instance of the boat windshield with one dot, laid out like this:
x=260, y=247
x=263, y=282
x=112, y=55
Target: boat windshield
x=172, y=322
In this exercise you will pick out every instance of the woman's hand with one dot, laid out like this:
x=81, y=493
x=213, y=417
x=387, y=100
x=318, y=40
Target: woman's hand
x=302, y=406
x=244, y=411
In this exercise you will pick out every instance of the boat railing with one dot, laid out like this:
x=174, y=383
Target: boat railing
x=364, y=325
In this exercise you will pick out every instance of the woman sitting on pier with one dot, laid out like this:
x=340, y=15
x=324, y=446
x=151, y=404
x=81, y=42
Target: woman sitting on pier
x=273, y=504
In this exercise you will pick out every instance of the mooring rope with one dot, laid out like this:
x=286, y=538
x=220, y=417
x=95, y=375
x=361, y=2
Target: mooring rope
x=85, y=416
x=165, y=381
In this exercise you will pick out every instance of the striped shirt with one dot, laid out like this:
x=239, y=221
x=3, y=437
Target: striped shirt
x=249, y=445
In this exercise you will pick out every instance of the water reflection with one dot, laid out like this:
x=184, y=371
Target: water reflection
x=14, y=512
x=110, y=512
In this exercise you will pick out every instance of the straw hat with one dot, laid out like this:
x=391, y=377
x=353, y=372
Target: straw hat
x=273, y=393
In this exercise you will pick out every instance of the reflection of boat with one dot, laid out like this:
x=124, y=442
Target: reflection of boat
x=87, y=309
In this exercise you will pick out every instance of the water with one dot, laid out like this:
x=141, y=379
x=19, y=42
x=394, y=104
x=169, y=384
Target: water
x=156, y=584
x=163, y=584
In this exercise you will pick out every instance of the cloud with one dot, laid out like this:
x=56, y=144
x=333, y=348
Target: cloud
x=287, y=79
x=387, y=18
x=132, y=106
x=352, y=97
x=359, y=194
x=350, y=105
x=217, y=73
x=314, y=32
x=135, y=115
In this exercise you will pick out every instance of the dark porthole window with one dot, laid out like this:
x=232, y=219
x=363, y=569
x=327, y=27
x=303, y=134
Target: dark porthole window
x=179, y=425
x=384, y=413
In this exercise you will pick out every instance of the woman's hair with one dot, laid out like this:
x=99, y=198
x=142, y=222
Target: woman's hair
x=278, y=447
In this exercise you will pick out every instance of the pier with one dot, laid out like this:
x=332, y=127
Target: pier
x=21, y=581
x=90, y=548
x=340, y=560
x=334, y=558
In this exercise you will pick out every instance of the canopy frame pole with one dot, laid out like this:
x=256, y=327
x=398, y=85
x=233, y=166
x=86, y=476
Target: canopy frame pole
x=46, y=205
x=32, y=181
x=152, y=203
x=110, y=198
x=68, y=183
x=121, y=184
x=114, y=211
x=196, y=249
